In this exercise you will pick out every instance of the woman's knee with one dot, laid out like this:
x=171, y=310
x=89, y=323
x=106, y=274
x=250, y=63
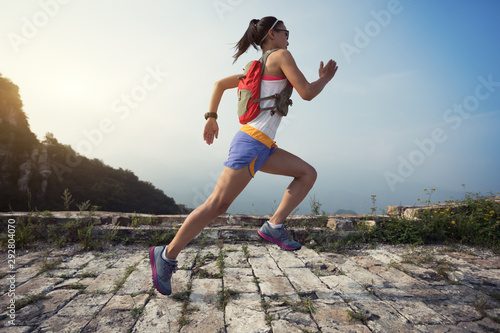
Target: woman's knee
x=217, y=206
x=312, y=174
x=307, y=174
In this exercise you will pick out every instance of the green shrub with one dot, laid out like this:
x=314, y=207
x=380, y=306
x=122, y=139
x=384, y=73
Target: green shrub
x=475, y=220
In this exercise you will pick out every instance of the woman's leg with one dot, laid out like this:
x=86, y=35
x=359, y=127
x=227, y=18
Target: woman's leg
x=287, y=164
x=229, y=186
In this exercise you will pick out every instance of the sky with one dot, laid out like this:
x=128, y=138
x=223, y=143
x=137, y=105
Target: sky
x=414, y=105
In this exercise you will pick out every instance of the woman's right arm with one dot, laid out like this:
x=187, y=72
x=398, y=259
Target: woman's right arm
x=211, y=130
x=219, y=88
x=306, y=89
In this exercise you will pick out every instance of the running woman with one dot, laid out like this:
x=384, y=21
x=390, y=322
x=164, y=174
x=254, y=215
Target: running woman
x=252, y=149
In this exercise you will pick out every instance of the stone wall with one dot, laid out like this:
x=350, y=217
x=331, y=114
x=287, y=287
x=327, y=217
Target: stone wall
x=411, y=212
x=332, y=221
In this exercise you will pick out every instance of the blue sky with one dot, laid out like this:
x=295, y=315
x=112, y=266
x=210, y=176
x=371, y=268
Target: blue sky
x=415, y=103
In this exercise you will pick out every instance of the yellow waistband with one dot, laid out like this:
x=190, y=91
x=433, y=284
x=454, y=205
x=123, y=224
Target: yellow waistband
x=258, y=135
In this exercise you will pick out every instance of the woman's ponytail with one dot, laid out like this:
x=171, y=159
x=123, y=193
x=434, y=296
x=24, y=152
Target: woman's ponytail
x=256, y=31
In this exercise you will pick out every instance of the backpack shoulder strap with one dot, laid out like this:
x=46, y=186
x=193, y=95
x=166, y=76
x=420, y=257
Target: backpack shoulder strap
x=264, y=58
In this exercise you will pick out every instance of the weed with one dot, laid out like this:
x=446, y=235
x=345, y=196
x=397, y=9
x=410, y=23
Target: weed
x=26, y=230
x=256, y=281
x=269, y=318
x=187, y=309
x=220, y=261
x=368, y=288
x=137, y=311
x=59, y=241
x=315, y=205
x=480, y=304
x=304, y=305
x=63, y=276
x=143, y=220
x=85, y=237
x=89, y=274
x=159, y=237
x=360, y=316
x=319, y=272
x=119, y=283
x=443, y=269
x=245, y=252
x=48, y=266
x=374, y=200
x=67, y=199
x=203, y=239
x=182, y=296
x=400, y=267
x=265, y=305
x=83, y=206
x=441, y=266
x=29, y=300
x=77, y=286
x=208, y=256
x=274, y=297
x=224, y=296
x=98, y=292
x=418, y=257
x=201, y=273
x=24, y=233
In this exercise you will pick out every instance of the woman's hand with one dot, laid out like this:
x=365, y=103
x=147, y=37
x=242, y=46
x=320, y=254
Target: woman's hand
x=305, y=89
x=211, y=130
x=329, y=70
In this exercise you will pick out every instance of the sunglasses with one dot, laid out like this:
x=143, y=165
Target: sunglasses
x=287, y=33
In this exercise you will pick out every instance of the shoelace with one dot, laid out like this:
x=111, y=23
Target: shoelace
x=169, y=270
x=284, y=232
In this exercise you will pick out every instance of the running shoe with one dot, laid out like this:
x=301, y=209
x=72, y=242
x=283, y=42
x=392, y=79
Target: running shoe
x=278, y=236
x=162, y=270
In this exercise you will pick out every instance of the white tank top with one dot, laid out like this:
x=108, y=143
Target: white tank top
x=264, y=122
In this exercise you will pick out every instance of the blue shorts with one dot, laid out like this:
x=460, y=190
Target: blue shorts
x=250, y=148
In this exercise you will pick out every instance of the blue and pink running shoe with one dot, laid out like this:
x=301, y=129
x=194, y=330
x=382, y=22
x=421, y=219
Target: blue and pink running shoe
x=162, y=270
x=279, y=236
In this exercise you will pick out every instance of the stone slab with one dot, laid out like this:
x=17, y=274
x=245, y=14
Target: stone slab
x=76, y=314
x=117, y=315
x=279, y=291
x=160, y=315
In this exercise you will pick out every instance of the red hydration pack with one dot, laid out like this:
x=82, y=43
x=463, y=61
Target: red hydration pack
x=249, y=92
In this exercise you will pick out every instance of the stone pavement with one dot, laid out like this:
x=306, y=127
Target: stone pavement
x=256, y=287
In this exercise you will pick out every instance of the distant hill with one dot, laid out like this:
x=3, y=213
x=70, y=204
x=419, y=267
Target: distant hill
x=34, y=174
x=345, y=211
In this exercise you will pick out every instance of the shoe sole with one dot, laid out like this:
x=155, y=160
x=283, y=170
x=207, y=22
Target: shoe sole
x=277, y=242
x=153, y=267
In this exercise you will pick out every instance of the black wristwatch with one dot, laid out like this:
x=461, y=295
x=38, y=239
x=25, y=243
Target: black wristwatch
x=210, y=115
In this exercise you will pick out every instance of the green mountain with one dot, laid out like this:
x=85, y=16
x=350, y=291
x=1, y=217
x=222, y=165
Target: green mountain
x=34, y=174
